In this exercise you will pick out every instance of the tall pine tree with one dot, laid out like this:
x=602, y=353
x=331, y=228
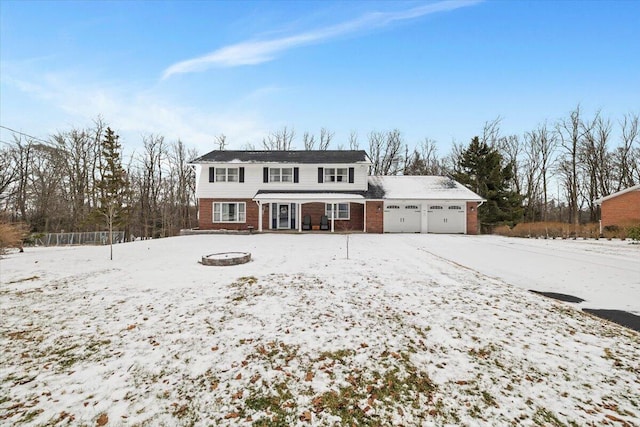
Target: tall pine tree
x=113, y=186
x=482, y=169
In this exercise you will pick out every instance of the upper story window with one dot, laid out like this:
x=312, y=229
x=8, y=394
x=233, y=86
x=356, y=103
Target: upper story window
x=336, y=174
x=345, y=175
x=226, y=174
x=280, y=174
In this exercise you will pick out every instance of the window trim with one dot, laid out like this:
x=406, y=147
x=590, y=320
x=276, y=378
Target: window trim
x=331, y=176
x=240, y=213
x=227, y=175
x=280, y=175
x=327, y=211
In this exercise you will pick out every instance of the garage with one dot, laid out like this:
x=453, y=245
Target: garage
x=446, y=218
x=402, y=217
x=421, y=204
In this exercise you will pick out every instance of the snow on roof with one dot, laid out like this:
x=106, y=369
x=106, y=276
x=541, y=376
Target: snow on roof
x=308, y=196
x=423, y=187
x=619, y=193
x=281, y=156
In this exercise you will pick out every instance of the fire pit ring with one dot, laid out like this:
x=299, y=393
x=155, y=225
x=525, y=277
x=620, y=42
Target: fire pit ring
x=226, y=258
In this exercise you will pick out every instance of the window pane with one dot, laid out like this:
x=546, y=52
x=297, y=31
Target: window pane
x=216, y=212
x=343, y=211
x=274, y=175
x=287, y=174
x=232, y=174
x=329, y=175
x=241, y=212
x=341, y=175
x=221, y=174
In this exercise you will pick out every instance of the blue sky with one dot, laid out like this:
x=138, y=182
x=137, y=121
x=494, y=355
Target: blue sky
x=194, y=70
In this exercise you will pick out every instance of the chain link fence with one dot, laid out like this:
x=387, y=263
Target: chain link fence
x=86, y=238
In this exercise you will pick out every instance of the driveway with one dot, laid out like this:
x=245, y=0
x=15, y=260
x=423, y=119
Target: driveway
x=605, y=274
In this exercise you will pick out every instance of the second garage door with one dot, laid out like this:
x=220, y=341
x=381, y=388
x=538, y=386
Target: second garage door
x=446, y=218
x=402, y=218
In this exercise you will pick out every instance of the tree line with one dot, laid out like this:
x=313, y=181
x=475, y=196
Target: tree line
x=71, y=181
x=553, y=172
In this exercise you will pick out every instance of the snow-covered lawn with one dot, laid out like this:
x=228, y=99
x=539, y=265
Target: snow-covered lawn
x=396, y=334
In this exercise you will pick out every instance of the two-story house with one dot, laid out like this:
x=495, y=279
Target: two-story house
x=324, y=190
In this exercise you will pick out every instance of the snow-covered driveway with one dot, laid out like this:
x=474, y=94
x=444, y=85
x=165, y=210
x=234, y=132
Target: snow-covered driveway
x=606, y=274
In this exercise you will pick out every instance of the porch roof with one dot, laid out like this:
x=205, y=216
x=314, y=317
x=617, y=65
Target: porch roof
x=309, y=196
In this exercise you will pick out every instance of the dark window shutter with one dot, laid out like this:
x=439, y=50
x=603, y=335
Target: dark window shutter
x=241, y=175
x=212, y=174
x=296, y=174
x=351, y=172
x=320, y=175
x=265, y=174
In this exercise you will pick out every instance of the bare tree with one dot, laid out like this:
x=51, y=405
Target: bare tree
x=280, y=140
x=79, y=157
x=221, y=141
x=150, y=186
x=539, y=148
x=511, y=149
x=9, y=172
x=595, y=162
x=325, y=138
x=491, y=132
x=571, y=132
x=626, y=158
x=385, y=152
x=424, y=160
x=181, y=175
x=309, y=141
x=353, y=140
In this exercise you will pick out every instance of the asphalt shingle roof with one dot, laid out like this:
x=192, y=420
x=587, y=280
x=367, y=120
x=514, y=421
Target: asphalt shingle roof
x=297, y=156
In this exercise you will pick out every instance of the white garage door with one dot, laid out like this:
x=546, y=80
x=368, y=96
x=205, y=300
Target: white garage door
x=402, y=218
x=446, y=218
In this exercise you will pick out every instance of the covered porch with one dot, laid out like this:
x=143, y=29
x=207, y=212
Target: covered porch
x=288, y=211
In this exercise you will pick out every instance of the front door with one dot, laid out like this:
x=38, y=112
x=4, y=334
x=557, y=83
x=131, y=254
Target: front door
x=283, y=216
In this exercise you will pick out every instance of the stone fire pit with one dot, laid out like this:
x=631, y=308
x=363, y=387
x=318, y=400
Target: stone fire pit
x=226, y=258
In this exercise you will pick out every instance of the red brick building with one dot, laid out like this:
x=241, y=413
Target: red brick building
x=621, y=208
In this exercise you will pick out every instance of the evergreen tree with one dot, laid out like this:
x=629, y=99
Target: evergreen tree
x=482, y=169
x=113, y=186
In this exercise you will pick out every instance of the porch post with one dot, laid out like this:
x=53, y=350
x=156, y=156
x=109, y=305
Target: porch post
x=299, y=217
x=333, y=217
x=259, y=215
x=364, y=226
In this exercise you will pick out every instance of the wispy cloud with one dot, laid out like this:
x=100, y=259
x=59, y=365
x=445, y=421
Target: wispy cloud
x=66, y=99
x=258, y=51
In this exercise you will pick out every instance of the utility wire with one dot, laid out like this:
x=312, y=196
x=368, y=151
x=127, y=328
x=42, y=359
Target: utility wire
x=24, y=134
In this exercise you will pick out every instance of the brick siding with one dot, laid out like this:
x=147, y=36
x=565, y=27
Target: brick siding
x=205, y=215
x=375, y=223
x=472, y=218
x=355, y=223
x=621, y=210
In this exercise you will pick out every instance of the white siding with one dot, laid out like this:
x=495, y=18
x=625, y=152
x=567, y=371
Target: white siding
x=253, y=181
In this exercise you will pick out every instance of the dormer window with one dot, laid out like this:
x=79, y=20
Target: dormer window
x=336, y=174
